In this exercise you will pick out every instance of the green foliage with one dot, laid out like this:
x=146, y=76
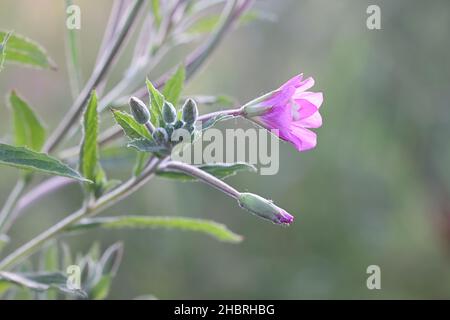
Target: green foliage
x=156, y=12
x=73, y=58
x=23, y=51
x=145, y=145
x=28, y=129
x=89, y=159
x=40, y=281
x=219, y=170
x=174, y=86
x=23, y=158
x=208, y=23
x=156, y=103
x=214, y=229
x=130, y=126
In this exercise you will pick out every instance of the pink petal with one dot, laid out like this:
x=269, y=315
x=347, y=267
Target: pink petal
x=294, y=81
x=314, y=121
x=316, y=98
x=303, y=139
x=280, y=97
x=305, y=84
x=305, y=109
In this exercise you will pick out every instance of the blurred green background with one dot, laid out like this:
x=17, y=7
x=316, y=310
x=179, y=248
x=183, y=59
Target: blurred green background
x=374, y=191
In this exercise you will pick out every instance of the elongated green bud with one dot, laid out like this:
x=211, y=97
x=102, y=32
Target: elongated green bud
x=169, y=113
x=160, y=136
x=139, y=110
x=190, y=112
x=264, y=208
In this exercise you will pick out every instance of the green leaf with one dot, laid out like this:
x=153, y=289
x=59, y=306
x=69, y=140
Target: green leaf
x=174, y=86
x=25, y=52
x=28, y=129
x=219, y=170
x=156, y=12
x=131, y=127
x=146, y=145
x=73, y=58
x=214, y=229
x=111, y=259
x=208, y=23
x=40, y=281
x=204, y=25
x=101, y=289
x=3, y=48
x=156, y=103
x=89, y=160
x=24, y=158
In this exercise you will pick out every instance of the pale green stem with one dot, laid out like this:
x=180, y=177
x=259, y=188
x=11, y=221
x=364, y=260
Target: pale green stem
x=204, y=177
x=11, y=202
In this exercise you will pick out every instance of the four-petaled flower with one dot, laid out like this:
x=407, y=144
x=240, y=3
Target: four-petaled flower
x=289, y=112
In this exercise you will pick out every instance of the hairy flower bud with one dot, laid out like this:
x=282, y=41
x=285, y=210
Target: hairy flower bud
x=139, y=110
x=169, y=113
x=264, y=208
x=160, y=136
x=190, y=112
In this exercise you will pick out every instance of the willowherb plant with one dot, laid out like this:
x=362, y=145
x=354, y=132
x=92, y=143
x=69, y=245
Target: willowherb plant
x=154, y=130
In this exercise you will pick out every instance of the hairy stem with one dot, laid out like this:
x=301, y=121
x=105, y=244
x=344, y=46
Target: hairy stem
x=204, y=177
x=104, y=202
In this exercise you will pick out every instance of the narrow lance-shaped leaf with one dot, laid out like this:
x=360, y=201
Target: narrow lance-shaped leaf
x=131, y=127
x=174, y=86
x=28, y=129
x=40, y=281
x=23, y=51
x=73, y=57
x=214, y=229
x=23, y=158
x=219, y=170
x=89, y=164
x=156, y=103
x=156, y=12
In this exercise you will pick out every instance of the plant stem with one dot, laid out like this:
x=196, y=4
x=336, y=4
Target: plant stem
x=99, y=72
x=11, y=202
x=203, y=176
x=56, y=183
x=92, y=209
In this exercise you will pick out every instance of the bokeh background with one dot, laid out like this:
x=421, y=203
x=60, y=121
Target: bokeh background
x=374, y=191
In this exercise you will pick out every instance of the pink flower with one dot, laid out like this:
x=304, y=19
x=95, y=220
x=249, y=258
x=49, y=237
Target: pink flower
x=291, y=111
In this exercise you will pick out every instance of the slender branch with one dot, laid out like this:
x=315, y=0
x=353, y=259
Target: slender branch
x=198, y=57
x=92, y=209
x=99, y=72
x=56, y=183
x=11, y=202
x=204, y=177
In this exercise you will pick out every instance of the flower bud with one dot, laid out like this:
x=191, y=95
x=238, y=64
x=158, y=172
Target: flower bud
x=190, y=112
x=169, y=113
x=264, y=208
x=139, y=110
x=160, y=136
